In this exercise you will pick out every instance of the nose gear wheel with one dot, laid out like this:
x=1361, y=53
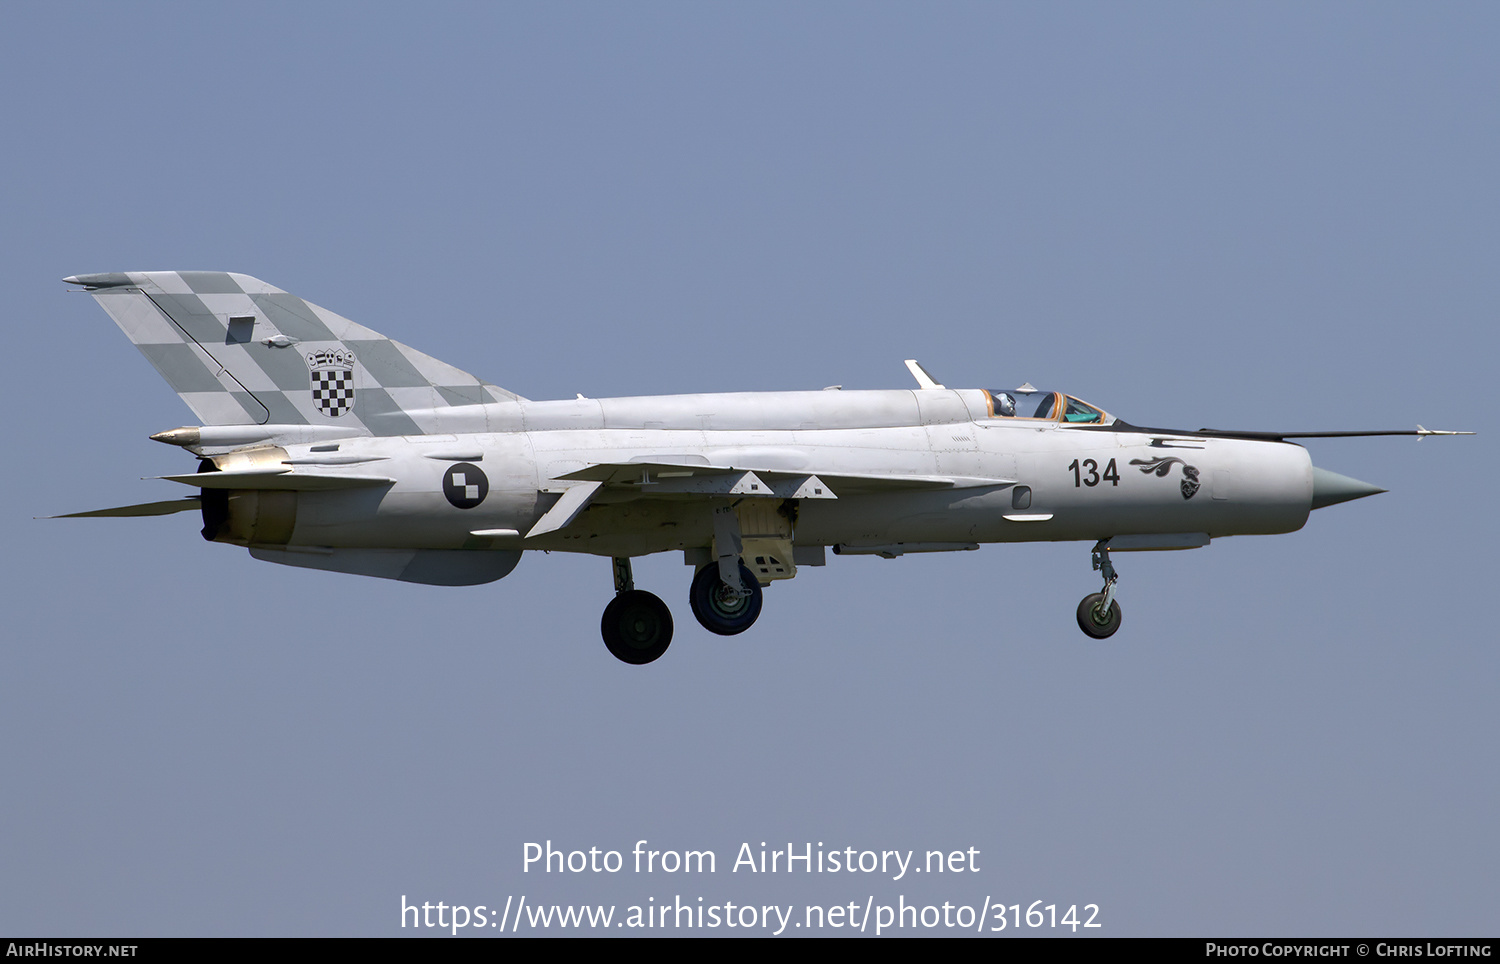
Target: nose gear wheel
x=1095, y=620
x=1098, y=613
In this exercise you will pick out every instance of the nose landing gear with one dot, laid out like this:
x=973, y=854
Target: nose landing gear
x=1098, y=613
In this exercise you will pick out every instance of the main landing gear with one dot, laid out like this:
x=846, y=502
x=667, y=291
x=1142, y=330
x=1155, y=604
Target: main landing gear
x=722, y=608
x=637, y=626
x=1098, y=613
x=726, y=595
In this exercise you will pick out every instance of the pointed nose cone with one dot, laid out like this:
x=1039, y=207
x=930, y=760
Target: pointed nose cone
x=1330, y=488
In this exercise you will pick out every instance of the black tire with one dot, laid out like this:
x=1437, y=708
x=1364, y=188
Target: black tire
x=718, y=613
x=637, y=627
x=1089, y=616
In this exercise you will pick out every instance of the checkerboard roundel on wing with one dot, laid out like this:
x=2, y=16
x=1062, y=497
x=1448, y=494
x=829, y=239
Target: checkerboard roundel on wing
x=332, y=375
x=465, y=485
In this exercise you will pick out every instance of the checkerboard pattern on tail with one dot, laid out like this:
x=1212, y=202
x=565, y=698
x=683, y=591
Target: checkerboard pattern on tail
x=239, y=351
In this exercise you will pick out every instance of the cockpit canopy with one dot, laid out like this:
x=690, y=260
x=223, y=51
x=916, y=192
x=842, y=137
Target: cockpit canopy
x=1029, y=403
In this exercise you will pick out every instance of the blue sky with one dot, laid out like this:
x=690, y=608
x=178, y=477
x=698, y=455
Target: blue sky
x=1268, y=216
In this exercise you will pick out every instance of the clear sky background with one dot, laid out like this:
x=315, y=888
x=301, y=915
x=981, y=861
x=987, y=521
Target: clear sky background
x=1268, y=216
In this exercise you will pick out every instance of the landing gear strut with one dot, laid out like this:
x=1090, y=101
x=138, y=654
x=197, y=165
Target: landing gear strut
x=637, y=626
x=1098, y=613
x=722, y=608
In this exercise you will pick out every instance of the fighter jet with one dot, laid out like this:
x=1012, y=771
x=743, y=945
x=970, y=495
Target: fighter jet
x=326, y=445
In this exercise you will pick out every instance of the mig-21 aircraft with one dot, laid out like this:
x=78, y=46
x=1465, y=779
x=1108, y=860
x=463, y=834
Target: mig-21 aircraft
x=326, y=445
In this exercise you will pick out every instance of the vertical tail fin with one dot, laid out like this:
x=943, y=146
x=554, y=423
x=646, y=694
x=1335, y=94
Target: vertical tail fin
x=239, y=351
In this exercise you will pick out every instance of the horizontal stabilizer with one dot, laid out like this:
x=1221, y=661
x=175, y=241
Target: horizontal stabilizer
x=284, y=480
x=191, y=503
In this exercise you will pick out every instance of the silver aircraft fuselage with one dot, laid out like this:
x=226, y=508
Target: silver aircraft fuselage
x=1244, y=486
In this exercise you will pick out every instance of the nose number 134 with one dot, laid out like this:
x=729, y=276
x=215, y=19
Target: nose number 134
x=1088, y=473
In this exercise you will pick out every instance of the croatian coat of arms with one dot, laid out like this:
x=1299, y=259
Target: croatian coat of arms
x=332, y=380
